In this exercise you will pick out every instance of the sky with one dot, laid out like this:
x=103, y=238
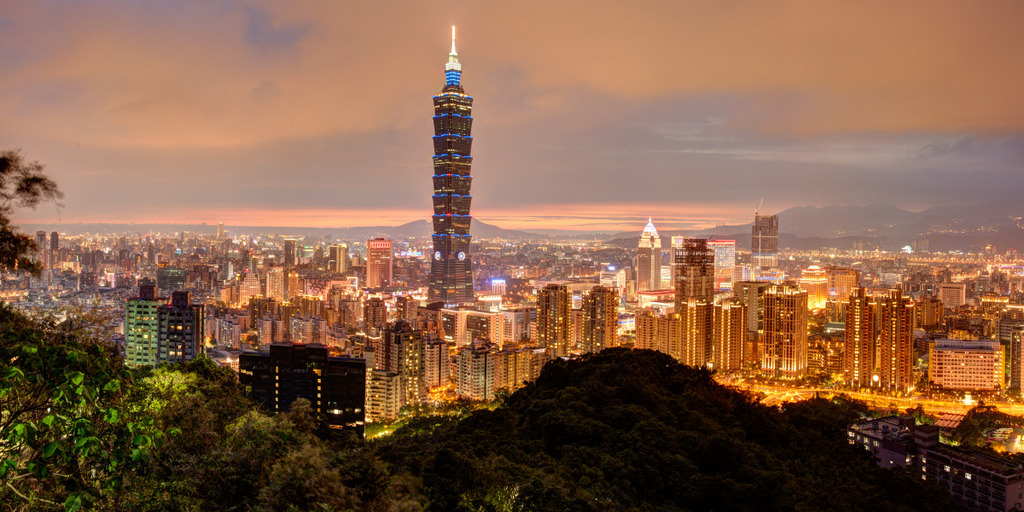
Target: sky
x=588, y=115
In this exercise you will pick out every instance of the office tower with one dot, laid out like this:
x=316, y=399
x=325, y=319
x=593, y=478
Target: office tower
x=498, y=287
x=180, y=323
x=674, y=246
x=841, y=282
x=220, y=230
x=785, y=331
x=730, y=333
x=378, y=263
x=249, y=286
x=169, y=280
x=896, y=351
x=953, y=295
x=814, y=280
x=406, y=355
x=764, y=242
x=725, y=263
x=861, y=334
x=334, y=386
x=289, y=252
x=54, y=250
x=337, y=257
x=451, y=270
x=966, y=365
x=41, y=245
x=695, y=272
x=142, y=327
x=648, y=259
x=553, y=309
x=600, y=319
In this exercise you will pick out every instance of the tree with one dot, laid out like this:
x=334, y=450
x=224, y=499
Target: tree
x=22, y=185
x=69, y=435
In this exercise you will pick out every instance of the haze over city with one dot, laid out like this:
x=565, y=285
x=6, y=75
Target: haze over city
x=589, y=115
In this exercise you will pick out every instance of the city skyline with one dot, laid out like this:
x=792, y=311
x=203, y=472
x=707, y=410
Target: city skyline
x=290, y=115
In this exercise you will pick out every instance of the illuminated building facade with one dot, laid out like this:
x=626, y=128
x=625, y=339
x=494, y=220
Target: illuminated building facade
x=142, y=327
x=725, y=263
x=841, y=282
x=730, y=331
x=334, y=386
x=600, y=319
x=379, y=263
x=554, y=304
x=695, y=272
x=896, y=340
x=337, y=257
x=451, y=270
x=785, y=331
x=861, y=334
x=648, y=259
x=967, y=365
x=180, y=329
x=814, y=280
x=764, y=242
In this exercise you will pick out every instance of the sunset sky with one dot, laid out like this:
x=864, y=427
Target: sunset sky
x=589, y=115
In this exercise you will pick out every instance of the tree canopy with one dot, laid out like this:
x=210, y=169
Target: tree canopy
x=22, y=185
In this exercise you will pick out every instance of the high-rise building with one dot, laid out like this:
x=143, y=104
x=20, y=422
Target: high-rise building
x=814, y=280
x=968, y=365
x=406, y=355
x=474, y=375
x=142, y=327
x=275, y=283
x=785, y=331
x=841, y=282
x=861, y=333
x=54, y=250
x=730, y=332
x=725, y=263
x=334, y=386
x=375, y=314
x=451, y=269
x=169, y=279
x=695, y=272
x=751, y=294
x=648, y=259
x=896, y=351
x=180, y=335
x=379, y=263
x=697, y=318
x=600, y=319
x=764, y=242
x=953, y=295
x=553, y=321
x=289, y=252
x=659, y=333
x=337, y=257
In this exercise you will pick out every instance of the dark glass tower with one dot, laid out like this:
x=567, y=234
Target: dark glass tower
x=451, y=273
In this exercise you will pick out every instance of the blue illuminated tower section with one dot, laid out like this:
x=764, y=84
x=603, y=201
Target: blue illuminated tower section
x=451, y=272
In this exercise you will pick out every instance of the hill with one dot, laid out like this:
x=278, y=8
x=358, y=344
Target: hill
x=634, y=430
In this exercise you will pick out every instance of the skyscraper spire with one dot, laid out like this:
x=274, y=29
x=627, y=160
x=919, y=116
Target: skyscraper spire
x=453, y=59
x=451, y=269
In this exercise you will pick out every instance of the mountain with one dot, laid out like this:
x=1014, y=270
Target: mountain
x=414, y=229
x=637, y=431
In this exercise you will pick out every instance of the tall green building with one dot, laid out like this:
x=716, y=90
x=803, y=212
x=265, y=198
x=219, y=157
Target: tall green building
x=142, y=327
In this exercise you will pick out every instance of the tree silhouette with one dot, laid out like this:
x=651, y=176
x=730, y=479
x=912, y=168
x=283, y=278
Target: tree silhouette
x=22, y=185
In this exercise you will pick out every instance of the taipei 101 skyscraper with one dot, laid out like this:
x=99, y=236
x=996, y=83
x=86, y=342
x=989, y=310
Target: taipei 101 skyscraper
x=451, y=272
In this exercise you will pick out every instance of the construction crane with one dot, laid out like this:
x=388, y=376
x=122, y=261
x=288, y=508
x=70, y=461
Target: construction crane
x=759, y=205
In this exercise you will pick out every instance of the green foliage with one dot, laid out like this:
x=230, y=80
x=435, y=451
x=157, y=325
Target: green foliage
x=634, y=430
x=22, y=185
x=69, y=434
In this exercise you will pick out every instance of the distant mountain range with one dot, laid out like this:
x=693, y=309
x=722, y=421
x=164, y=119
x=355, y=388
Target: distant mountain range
x=888, y=227
x=803, y=227
x=418, y=228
